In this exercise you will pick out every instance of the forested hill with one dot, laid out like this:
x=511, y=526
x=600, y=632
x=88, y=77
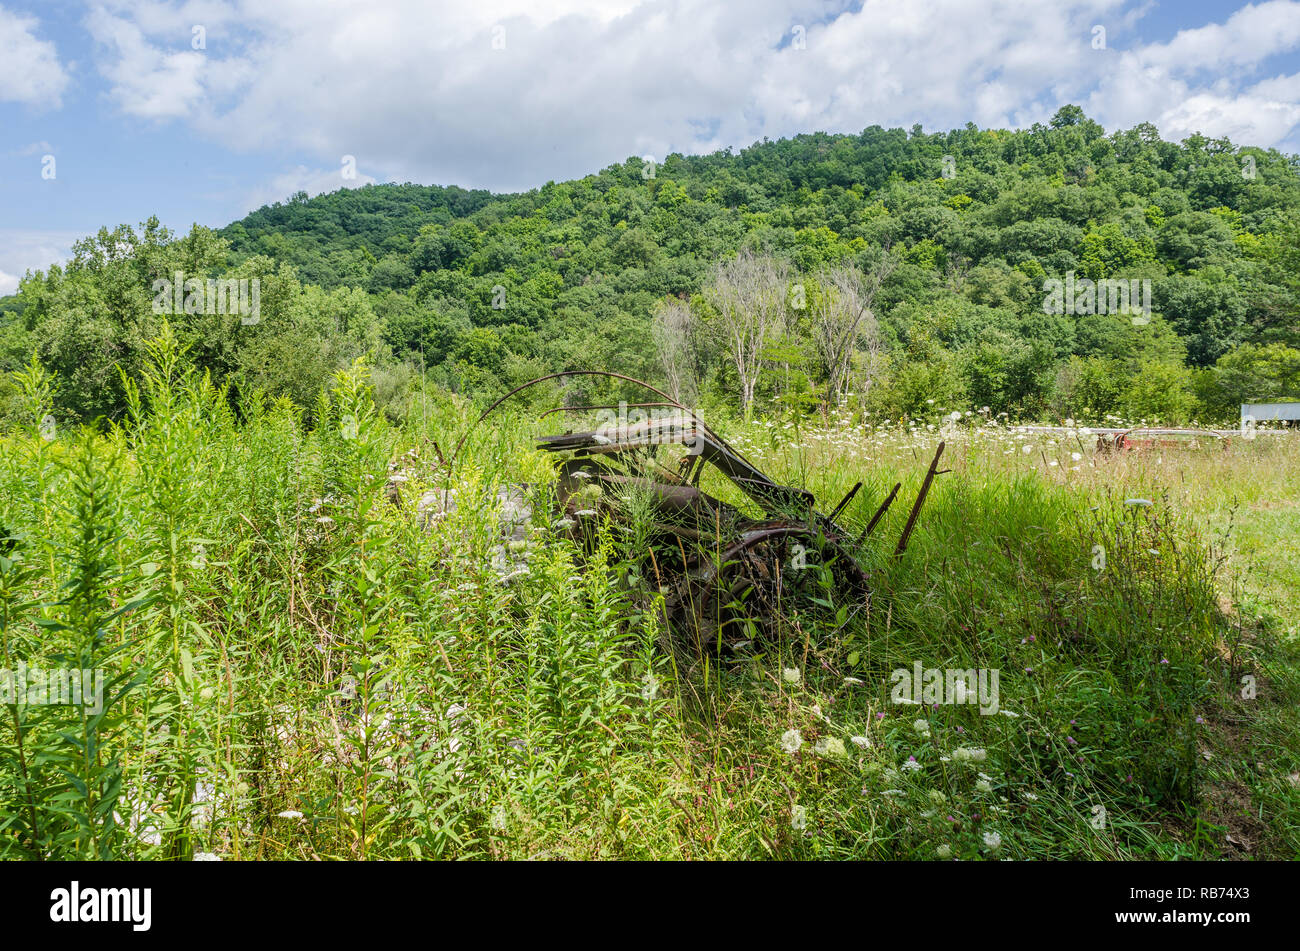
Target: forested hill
x=942, y=242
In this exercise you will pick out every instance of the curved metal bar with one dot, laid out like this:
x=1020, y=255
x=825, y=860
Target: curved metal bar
x=576, y=409
x=555, y=376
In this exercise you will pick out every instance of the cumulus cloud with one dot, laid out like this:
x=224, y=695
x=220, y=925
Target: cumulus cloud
x=510, y=93
x=23, y=250
x=30, y=71
x=310, y=180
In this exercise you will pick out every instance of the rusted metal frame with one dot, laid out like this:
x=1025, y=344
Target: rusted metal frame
x=555, y=376
x=605, y=373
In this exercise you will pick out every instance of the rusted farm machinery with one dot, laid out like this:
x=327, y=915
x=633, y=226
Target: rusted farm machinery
x=728, y=569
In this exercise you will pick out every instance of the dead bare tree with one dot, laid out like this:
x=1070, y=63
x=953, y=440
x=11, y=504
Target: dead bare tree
x=748, y=292
x=842, y=319
x=673, y=331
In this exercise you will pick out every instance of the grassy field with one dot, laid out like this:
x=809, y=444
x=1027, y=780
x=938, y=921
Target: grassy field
x=301, y=668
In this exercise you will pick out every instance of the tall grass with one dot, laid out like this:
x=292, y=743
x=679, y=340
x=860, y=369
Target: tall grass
x=303, y=665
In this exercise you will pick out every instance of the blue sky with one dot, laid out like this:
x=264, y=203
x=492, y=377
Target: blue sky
x=142, y=118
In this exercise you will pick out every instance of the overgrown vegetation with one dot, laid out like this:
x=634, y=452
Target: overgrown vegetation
x=297, y=667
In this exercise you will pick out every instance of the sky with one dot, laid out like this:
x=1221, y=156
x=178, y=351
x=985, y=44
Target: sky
x=204, y=110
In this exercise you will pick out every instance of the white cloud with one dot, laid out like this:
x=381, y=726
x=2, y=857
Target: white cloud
x=169, y=78
x=22, y=250
x=32, y=148
x=312, y=181
x=30, y=71
x=417, y=91
x=1248, y=36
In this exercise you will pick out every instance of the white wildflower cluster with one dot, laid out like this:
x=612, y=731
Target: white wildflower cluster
x=830, y=746
x=969, y=754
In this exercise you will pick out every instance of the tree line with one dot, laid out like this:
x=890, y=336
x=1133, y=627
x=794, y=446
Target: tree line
x=895, y=272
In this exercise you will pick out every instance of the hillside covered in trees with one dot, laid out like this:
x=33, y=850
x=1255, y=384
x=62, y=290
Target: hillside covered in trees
x=895, y=273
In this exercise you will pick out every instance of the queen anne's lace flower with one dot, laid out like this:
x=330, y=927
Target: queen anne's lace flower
x=830, y=746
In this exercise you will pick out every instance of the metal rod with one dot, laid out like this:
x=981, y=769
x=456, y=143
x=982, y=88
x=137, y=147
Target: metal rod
x=844, y=501
x=920, y=500
x=884, y=507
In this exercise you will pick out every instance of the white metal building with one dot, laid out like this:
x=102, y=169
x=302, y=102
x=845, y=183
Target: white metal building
x=1261, y=412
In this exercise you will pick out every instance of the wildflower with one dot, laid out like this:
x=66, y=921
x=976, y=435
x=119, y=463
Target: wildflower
x=911, y=764
x=937, y=797
x=992, y=841
x=969, y=754
x=206, y=857
x=1075, y=457
x=983, y=785
x=791, y=675
x=290, y=814
x=798, y=818
x=861, y=742
x=830, y=746
x=791, y=740
x=1030, y=797
x=944, y=851
x=922, y=727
